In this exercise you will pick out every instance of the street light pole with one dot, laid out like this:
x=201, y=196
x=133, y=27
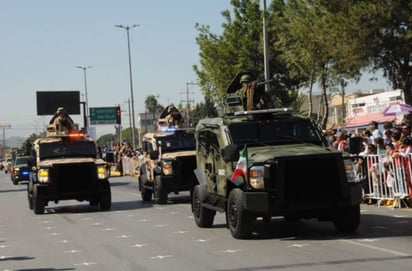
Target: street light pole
x=127, y=28
x=86, y=108
x=266, y=48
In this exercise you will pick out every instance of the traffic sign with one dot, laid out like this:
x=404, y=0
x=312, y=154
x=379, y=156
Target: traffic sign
x=103, y=115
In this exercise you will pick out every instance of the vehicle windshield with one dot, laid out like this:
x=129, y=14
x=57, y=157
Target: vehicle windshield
x=21, y=161
x=67, y=149
x=275, y=131
x=179, y=141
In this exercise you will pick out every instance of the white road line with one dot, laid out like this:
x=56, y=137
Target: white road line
x=390, y=251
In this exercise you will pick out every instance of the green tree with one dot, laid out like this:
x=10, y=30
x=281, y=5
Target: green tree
x=390, y=42
x=239, y=48
x=27, y=145
x=107, y=139
x=151, y=104
x=202, y=110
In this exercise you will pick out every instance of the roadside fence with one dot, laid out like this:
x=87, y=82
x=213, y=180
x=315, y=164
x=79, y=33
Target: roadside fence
x=386, y=179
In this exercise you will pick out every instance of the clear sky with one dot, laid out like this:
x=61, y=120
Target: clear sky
x=43, y=41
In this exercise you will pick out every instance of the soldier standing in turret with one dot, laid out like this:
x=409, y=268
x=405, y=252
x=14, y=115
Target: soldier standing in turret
x=251, y=98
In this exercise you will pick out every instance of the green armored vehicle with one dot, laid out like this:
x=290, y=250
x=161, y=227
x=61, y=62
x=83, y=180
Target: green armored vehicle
x=270, y=162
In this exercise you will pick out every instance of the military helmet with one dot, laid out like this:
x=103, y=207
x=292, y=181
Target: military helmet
x=171, y=108
x=245, y=78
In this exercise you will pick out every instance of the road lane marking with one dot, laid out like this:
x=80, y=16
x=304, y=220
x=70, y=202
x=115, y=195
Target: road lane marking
x=390, y=251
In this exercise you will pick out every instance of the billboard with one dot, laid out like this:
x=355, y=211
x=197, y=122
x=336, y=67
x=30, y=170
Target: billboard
x=49, y=101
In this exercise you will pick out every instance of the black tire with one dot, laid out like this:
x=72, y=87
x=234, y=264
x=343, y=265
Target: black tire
x=38, y=202
x=29, y=195
x=15, y=182
x=346, y=220
x=145, y=193
x=160, y=190
x=106, y=197
x=240, y=222
x=93, y=203
x=204, y=217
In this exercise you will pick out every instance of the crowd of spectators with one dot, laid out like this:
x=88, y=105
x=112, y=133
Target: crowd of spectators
x=123, y=158
x=375, y=140
x=383, y=151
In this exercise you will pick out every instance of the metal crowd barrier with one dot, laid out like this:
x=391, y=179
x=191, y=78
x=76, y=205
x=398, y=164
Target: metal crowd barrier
x=387, y=180
x=130, y=166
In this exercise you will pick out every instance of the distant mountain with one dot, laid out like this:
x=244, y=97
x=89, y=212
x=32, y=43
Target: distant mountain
x=15, y=141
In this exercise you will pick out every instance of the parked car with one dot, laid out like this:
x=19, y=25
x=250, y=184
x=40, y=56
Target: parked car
x=20, y=170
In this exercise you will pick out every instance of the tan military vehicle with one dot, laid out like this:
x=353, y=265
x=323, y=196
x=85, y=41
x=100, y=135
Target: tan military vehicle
x=170, y=159
x=67, y=166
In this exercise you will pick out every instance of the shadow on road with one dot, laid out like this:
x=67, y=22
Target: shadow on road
x=371, y=226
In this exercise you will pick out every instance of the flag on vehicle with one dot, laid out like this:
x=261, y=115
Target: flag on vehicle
x=241, y=166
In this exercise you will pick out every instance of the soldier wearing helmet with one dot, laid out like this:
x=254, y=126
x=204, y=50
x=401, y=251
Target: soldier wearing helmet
x=62, y=121
x=251, y=99
x=174, y=117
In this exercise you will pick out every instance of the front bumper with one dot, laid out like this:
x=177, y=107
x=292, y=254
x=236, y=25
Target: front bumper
x=266, y=203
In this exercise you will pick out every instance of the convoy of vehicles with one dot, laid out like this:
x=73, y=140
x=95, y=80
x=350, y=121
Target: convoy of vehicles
x=244, y=163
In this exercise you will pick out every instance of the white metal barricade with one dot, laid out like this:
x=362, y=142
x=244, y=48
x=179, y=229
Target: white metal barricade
x=387, y=179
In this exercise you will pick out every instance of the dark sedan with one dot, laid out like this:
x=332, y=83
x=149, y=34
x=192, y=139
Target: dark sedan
x=20, y=170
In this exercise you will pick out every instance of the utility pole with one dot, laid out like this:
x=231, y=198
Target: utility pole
x=188, y=101
x=86, y=105
x=4, y=127
x=266, y=48
x=127, y=28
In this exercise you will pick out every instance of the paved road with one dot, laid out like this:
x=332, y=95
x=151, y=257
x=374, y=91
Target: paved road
x=143, y=236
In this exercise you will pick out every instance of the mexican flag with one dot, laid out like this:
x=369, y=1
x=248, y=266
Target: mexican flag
x=241, y=167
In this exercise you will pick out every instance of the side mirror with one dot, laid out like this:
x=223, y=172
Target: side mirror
x=230, y=153
x=154, y=155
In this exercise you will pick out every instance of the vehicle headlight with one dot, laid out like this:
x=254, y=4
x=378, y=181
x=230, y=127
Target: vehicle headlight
x=167, y=168
x=43, y=175
x=350, y=171
x=102, y=172
x=256, y=177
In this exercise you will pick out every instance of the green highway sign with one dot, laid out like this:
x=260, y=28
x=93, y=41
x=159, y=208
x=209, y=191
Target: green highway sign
x=102, y=115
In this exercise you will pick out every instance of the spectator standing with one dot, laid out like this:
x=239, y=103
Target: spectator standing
x=396, y=140
x=373, y=127
x=387, y=131
x=333, y=142
x=342, y=143
x=406, y=130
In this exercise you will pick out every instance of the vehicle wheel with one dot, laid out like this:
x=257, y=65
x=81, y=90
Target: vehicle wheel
x=160, y=190
x=239, y=220
x=145, y=193
x=15, y=182
x=347, y=219
x=203, y=216
x=94, y=203
x=106, y=197
x=29, y=195
x=38, y=202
